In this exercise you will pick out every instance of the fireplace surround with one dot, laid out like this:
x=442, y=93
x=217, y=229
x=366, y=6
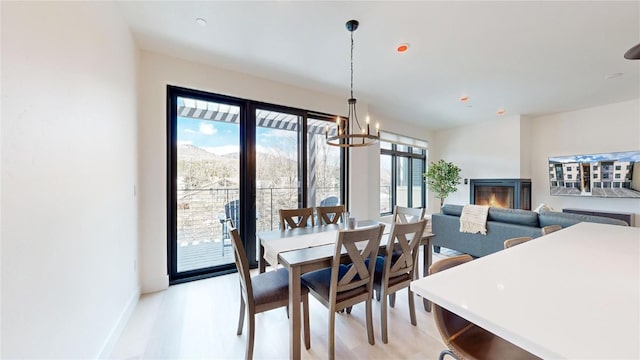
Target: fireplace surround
x=503, y=193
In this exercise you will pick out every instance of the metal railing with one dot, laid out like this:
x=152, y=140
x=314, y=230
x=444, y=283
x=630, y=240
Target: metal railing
x=201, y=212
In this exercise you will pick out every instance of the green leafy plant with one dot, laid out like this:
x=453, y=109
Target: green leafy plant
x=442, y=178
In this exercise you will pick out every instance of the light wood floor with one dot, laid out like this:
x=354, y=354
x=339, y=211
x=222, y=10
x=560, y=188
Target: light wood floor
x=199, y=319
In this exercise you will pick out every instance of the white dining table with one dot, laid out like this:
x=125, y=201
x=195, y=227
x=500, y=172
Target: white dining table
x=572, y=294
x=302, y=250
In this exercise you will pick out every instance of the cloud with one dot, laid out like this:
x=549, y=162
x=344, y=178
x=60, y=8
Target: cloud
x=207, y=129
x=185, y=142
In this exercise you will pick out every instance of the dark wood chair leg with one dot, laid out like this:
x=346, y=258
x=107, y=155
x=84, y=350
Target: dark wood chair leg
x=307, y=329
x=251, y=324
x=241, y=317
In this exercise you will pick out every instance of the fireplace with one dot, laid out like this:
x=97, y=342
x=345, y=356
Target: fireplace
x=504, y=193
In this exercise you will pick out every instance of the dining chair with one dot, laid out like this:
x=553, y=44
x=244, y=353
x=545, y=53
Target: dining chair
x=296, y=218
x=341, y=286
x=395, y=270
x=516, y=241
x=329, y=214
x=330, y=201
x=464, y=339
x=550, y=228
x=231, y=211
x=405, y=215
x=263, y=292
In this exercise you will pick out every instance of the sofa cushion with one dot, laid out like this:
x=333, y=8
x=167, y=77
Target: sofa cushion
x=513, y=216
x=567, y=219
x=450, y=209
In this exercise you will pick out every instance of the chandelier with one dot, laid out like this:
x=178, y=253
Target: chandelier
x=349, y=132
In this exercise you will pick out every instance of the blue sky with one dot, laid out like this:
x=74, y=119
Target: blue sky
x=589, y=158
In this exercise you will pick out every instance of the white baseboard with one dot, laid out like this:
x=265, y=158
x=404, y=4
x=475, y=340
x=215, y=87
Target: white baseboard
x=153, y=285
x=114, y=335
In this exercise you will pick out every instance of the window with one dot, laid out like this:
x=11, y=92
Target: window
x=568, y=168
x=595, y=167
x=569, y=176
x=605, y=176
x=240, y=159
x=628, y=167
x=595, y=176
x=617, y=176
x=618, y=167
x=402, y=163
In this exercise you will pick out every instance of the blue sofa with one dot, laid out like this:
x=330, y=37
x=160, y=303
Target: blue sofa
x=502, y=224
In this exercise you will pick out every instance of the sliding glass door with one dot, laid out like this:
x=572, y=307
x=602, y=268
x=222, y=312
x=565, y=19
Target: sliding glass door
x=206, y=183
x=277, y=165
x=324, y=166
x=235, y=159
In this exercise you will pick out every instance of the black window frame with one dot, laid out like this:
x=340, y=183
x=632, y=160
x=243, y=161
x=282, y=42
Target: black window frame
x=247, y=165
x=410, y=154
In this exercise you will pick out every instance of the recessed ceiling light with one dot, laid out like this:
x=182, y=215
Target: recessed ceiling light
x=464, y=98
x=402, y=48
x=201, y=21
x=613, y=76
x=500, y=112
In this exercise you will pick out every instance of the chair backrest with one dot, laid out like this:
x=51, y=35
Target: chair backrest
x=360, y=244
x=329, y=214
x=232, y=211
x=330, y=201
x=241, y=262
x=550, y=228
x=448, y=323
x=405, y=237
x=405, y=215
x=296, y=218
x=516, y=241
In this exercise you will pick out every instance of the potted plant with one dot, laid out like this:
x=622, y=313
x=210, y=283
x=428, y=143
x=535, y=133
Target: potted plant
x=442, y=178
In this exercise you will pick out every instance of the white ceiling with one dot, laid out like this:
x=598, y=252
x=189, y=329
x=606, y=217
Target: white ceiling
x=529, y=57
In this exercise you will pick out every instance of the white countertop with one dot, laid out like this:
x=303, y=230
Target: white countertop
x=572, y=294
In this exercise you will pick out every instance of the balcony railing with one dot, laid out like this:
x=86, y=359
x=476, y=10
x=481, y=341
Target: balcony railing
x=201, y=212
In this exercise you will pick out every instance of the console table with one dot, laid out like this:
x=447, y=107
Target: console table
x=628, y=217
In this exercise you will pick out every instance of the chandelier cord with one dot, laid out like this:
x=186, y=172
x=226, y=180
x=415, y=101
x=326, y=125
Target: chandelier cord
x=352, y=64
x=352, y=105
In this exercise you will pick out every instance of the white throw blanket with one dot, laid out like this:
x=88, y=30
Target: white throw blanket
x=474, y=219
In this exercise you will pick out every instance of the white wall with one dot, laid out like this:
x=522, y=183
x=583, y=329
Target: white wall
x=69, y=164
x=613, y=127
x=490, y=149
